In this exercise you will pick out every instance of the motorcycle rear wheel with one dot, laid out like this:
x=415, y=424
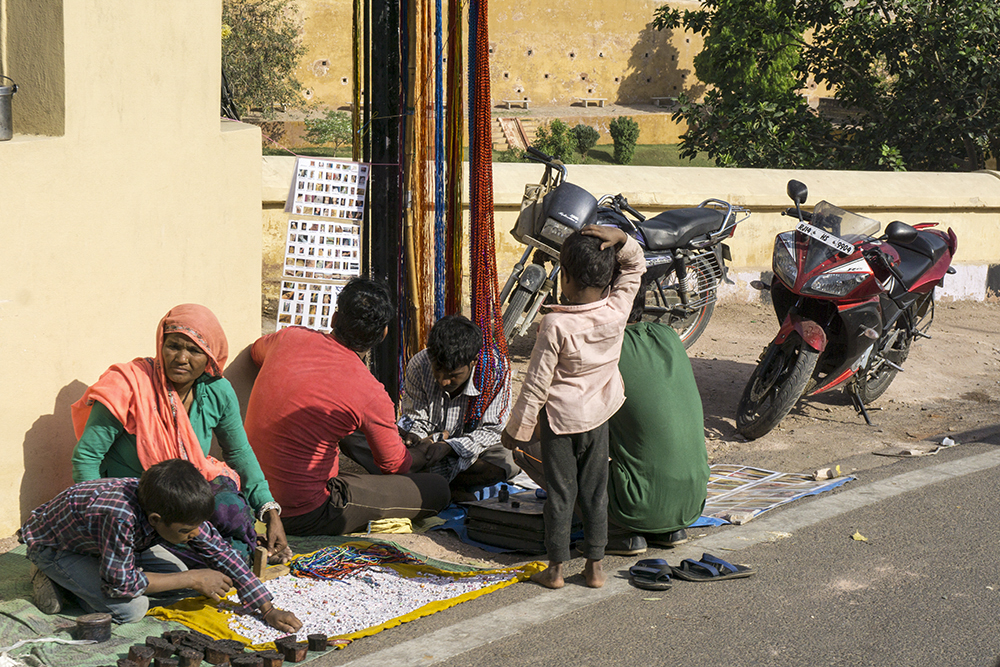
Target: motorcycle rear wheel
x=775, y=387
x=872, y=382
x=692, y=325
x=515, y=306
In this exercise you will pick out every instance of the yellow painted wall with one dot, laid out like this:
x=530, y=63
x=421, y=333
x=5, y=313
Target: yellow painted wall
x=549, y=52
x=141, y=200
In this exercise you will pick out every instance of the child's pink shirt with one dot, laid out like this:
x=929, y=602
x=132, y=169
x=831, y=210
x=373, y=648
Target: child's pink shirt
x=573, y=372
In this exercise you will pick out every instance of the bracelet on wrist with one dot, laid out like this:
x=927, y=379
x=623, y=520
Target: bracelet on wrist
x=267, y=507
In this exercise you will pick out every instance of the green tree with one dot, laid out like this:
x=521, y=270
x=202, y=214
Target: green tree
x=923, y=77
x=586, y=138
x=261, y=47
x=556, y=139
x=333, y=128
x=625, y=133
x=752, y=115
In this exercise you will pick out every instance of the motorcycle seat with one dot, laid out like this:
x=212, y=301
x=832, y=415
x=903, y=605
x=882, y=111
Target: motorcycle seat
x=917, y=257
x=675, y=228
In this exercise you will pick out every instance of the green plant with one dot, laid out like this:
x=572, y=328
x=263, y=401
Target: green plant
x=261, y=47
x=509, y=155
x=333, y=128
x=625, y=133
x=556, y=139
x=586, y=138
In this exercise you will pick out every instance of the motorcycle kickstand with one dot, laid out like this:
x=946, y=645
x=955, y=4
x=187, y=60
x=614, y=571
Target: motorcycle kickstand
x=860, y=407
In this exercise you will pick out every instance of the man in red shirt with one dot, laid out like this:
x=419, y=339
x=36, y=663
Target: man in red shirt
x=314, y=389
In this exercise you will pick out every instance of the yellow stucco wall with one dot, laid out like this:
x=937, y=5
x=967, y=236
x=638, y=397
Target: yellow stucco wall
x=144, y=201
x=549, y=52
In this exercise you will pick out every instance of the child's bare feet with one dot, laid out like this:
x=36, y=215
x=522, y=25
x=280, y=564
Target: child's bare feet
x=593, y=574
x=550, y=577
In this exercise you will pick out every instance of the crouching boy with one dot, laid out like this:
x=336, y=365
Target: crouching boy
x=99, y=541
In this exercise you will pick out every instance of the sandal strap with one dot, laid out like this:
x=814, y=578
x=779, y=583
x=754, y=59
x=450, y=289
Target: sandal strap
x=689, y=564
x=727, y=568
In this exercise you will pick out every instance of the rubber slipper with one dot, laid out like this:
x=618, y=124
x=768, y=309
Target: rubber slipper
x=645, y=564
x=650, y=578
x=709, y=568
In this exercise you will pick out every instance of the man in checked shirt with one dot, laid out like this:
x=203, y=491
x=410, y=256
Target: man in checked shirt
x=99, y=541
x=438, y=390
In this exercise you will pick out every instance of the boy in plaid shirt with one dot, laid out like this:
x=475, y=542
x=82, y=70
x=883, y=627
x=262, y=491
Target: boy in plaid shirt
x=99, y=541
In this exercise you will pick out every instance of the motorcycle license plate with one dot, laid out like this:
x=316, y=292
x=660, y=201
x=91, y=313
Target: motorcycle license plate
x=829, y=239
x=555, y=232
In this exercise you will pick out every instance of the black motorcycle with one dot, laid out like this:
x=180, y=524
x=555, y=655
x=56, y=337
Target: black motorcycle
x=684, y=251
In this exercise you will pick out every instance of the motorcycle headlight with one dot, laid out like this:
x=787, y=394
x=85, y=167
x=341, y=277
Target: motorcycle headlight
x=783, y=261
x=836, y=284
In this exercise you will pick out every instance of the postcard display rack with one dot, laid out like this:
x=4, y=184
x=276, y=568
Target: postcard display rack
x=323, y=243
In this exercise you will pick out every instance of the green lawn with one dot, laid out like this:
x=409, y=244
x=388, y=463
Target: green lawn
x=646, y=155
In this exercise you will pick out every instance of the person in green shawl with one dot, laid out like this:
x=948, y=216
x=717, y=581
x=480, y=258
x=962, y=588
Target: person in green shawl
x=658, y=476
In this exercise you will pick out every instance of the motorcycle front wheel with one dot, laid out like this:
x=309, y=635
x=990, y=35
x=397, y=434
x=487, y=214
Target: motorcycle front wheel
x=775, y=386
x=663, y=303
x=515, y=306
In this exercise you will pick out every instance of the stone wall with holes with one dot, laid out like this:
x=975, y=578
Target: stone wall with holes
x=551, y=53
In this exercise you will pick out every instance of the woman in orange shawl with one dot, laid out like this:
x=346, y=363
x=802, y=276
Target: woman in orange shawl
x=149, y=410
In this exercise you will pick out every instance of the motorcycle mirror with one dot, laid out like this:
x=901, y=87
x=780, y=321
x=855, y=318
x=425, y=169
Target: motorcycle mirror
x=797, y=192
x=900, y=232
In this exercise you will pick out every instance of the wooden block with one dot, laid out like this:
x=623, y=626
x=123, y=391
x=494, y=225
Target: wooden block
x=141, y=655
x=271, y=658
x=161, y=647
x=188, y=657
x=317, y=642
x=294, y=652
x=259, y=561
x=165, y=662
x=273, y=572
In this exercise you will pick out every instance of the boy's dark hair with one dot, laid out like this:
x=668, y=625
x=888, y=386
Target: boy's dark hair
x=454, y=341
x=364, y=308
x=583, y=260
x=176, y=490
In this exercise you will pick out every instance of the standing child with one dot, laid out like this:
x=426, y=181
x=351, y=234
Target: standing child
x=571, y=389
x=101, y=541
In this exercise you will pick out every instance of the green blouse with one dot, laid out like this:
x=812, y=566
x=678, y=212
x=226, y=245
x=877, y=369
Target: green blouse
x=107, y=450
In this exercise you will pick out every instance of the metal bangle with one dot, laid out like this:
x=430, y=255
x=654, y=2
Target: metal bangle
x=265, y=508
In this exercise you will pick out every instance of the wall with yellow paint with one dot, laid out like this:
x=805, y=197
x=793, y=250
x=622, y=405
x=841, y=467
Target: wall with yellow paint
x=551, y=53
x=128, y=197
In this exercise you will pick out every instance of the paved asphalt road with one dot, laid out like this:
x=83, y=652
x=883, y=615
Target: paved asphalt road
x=922, y=590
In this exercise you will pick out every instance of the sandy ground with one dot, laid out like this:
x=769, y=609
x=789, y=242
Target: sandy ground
x=950, y=387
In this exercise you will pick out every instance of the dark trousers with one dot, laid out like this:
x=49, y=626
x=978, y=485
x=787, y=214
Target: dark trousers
x=357, y=499
x=576, y=471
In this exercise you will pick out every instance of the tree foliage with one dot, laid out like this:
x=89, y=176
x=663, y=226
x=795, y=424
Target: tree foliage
x=556, y=139
x=586, y=138
x=333, y=128
x=922, y=75
x=260, y=51
x=625, y=133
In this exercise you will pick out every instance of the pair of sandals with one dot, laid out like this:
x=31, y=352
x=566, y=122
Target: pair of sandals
x=653, y=574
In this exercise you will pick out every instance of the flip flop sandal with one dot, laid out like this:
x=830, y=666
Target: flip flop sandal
x=645, y=564
x=655, y=578
x=710, y=568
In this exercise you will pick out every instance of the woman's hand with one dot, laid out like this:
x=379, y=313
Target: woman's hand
x=280, y=619
x=278, y=550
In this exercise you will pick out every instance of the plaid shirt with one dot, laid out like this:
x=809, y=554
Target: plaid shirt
x=103, y=518
x=428, y=409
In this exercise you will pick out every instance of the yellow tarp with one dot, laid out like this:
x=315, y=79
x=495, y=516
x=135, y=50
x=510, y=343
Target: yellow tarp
x=211, y=618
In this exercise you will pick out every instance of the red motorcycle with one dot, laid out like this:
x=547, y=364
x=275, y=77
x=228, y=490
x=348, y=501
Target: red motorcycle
x=849, y=304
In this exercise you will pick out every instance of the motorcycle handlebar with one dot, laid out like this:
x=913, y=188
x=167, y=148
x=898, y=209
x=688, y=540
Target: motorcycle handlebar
x=534, y=152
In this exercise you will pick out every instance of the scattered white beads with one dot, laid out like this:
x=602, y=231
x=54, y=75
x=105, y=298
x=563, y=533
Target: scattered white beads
x=362, y=600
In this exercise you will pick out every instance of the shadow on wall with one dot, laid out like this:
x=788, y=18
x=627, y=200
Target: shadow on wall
x=48, y=450
x=653, y=70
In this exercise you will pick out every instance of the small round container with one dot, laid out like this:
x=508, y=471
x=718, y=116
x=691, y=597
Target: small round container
x=96, y=627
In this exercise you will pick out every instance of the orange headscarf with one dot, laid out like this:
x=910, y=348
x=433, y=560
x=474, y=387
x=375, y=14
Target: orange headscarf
x=139, y=395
